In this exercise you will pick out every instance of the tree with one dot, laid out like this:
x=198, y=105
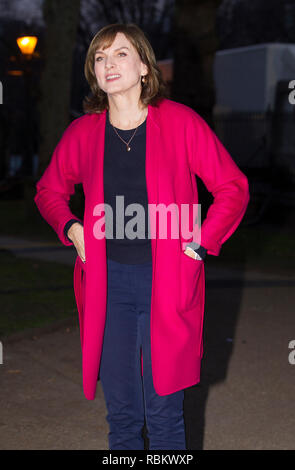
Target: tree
x=61, y=18
x=195, y=43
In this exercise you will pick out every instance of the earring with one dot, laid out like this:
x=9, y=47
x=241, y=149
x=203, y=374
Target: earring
x=143, y=79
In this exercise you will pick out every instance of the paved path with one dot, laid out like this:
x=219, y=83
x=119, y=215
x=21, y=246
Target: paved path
x=245, y=399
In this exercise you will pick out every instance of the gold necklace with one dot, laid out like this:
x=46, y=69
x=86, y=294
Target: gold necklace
x=128, y=148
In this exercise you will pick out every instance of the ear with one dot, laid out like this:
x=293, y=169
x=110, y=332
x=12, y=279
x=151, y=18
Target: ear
x=144, y=69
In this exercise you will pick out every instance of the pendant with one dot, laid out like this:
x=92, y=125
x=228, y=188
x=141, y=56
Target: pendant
x=128, y=148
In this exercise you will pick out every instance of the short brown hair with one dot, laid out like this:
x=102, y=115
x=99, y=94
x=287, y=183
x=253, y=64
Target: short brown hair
x=154, y=87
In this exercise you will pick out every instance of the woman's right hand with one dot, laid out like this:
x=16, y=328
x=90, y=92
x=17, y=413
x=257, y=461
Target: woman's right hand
x=76, y=234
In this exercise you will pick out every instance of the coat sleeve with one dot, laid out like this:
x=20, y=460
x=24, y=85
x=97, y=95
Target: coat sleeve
x=229, y=187
x=58, y=181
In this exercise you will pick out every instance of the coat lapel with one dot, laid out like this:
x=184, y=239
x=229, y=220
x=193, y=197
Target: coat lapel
x=95, y=300
x=152, y=170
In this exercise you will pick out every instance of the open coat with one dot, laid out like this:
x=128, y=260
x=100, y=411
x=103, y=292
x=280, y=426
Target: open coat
x=179, y=145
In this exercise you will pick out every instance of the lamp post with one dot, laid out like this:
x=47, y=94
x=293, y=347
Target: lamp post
x=27, y=45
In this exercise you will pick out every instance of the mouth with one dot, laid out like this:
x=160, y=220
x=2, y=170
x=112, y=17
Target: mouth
x=111, y=78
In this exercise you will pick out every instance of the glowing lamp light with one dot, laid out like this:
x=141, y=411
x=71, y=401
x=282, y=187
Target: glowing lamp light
x=27, y=44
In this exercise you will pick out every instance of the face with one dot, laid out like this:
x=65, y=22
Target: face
x=122, y=60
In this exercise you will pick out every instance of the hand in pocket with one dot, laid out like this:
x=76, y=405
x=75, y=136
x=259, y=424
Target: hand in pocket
x=76, y=234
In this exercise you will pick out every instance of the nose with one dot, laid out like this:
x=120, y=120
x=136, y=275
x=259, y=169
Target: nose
x=108, y=63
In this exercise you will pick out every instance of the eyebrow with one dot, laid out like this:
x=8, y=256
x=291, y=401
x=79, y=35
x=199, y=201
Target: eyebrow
x=123, y=47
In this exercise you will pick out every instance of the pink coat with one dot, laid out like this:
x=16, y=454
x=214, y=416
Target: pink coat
x=179, y=145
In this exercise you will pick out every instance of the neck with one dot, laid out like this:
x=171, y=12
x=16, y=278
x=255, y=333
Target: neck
x=125, y=115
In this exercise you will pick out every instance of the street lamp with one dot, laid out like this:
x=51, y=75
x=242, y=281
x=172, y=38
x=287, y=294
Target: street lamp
x=27, y=45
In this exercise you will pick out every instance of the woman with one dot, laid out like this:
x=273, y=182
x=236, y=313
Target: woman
x=140, y=297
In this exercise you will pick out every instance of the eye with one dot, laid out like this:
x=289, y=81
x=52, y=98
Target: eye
x=122, y=53
x=97, y=59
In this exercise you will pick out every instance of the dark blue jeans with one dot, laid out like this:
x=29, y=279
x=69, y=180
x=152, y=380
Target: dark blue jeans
x=130, y=396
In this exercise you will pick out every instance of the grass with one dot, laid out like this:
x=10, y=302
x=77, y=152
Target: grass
x=18, y=223
x=23, y=219
x=34, y=293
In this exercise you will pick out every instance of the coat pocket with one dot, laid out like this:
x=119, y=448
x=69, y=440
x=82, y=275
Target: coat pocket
x=189, y=273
